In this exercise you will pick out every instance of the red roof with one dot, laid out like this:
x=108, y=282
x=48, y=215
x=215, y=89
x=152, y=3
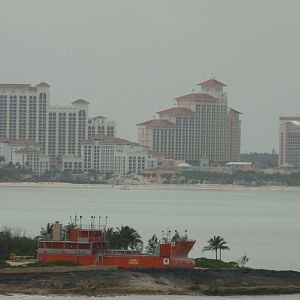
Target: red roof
x=196, y=96
x=177, y=111
x=27, y=150
x=98, y=117
x=236, y=111
x=104, y=139
x=211, y=83
x=23, y=142
x=157, y=122
x=43, y=84
x=80, y=101
x=15, y=85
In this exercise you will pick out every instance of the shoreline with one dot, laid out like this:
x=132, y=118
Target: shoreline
x=217, y=187
x=118, y=282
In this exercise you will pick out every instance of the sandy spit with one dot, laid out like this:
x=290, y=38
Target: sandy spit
x=152, y=186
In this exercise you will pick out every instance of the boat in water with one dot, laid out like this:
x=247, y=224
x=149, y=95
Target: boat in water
x=87, y=245
x=124, y=188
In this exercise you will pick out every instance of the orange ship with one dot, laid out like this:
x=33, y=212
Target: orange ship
x=87, y=245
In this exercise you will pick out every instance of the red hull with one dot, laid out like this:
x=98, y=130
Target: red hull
x=122, y=261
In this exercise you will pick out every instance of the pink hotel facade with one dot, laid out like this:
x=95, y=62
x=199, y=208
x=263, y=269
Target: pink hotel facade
x=289, y=141
x=201, y=125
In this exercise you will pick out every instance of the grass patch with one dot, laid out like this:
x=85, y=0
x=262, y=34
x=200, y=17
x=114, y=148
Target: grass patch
x=4, y=264
x=53, y=264
x=203, y=262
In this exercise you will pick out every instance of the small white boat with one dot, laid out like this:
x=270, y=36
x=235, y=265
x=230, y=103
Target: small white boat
x=124, y=187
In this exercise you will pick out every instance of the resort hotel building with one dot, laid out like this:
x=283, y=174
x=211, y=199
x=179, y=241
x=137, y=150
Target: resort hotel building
x=41, y=136
x=113, y=155
x=201, y=125
x=289, y=141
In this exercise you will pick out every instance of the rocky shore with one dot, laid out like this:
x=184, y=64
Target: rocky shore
x=97, y=282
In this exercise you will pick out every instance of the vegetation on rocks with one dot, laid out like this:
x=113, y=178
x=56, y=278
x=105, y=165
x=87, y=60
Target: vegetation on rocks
x=203, y=262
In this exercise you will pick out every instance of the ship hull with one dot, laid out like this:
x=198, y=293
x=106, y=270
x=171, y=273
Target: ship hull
x=121, y=261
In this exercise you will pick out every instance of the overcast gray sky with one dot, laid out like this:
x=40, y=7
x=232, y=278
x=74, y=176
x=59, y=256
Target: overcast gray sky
x=131, y=58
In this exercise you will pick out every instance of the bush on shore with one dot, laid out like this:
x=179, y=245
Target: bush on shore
x=203, y=262
x=15, y=241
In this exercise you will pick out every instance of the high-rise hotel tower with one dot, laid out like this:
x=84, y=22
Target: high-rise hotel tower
x=289, y=141
x=201, y=125
x=24, y=112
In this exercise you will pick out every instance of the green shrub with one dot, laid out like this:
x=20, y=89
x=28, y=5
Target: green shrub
x=203, y=262
x=4, y=264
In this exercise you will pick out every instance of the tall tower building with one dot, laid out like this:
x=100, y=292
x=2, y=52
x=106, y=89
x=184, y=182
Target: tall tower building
x=233, y=138
x=200, y=127
x=24, y=112
x=26, y=116
x=68, y=127
x=289, y=141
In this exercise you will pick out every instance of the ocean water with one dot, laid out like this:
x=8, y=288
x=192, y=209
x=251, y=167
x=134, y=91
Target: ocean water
x=265, y=225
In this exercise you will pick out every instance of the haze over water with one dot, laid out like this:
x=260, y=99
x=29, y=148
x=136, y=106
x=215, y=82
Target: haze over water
x=262, y=224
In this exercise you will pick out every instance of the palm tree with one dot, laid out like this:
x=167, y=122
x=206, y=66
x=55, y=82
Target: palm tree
x=46, y=233
x=223, y=246
x=66, y=232
x=216, y=243
x=129, y=237
x=110, y=237
x=152, y=244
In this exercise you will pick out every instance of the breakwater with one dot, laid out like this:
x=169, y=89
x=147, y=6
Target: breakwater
x=98, y=282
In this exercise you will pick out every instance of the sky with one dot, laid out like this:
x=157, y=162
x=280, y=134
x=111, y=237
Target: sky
x=131, y=58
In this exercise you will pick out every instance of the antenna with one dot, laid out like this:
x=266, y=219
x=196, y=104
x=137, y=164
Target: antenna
x=99, y=222
x=80, y=221
x=212, y=76
x=105, y=222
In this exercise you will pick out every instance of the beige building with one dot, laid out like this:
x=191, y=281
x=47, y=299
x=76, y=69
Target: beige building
x=24, y=153
x=289, y=141
x=26, y=114
x=233, y=135
x=68, y=127
x=101, y=125
x=113, y=155
x=199, y=126
x=23, y=112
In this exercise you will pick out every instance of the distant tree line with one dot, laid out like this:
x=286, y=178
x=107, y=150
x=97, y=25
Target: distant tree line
x=269, y=160
x=15, y=241
x=242, y=178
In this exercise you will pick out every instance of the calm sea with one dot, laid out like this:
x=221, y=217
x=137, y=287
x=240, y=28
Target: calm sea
x=265, y=225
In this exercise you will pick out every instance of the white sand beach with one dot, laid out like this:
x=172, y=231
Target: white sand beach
x=152, y=186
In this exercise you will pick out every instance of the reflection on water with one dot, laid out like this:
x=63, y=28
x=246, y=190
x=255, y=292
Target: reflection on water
x=261, y=224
